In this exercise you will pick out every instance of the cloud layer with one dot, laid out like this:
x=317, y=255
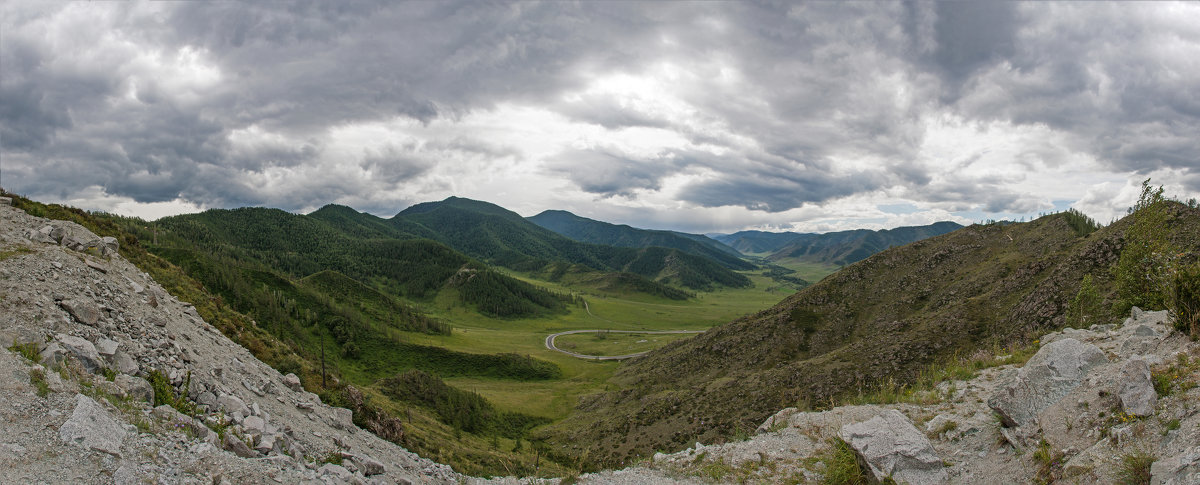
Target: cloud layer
x=696, y=116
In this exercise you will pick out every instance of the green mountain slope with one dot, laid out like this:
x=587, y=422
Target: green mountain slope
x=886, y=317
x=757, y=242
x=592, y=231
x=846, y=247
x=502, y=237
x=300, y=246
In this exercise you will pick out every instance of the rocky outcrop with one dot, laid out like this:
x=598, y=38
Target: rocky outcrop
x=1056, y=370
x=1082, y=436
x=98, y=328
x=891, y=447
x=91, y=427
x=1137, y=391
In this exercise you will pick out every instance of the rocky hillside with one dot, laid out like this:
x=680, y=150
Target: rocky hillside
x=107, y=378
x=883, y=320
x=1114, y=403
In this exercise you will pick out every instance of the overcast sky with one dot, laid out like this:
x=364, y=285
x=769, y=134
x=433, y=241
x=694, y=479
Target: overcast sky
x=702, y=117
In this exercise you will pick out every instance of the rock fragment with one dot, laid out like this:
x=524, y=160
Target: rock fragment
x=292, y=382
x=91, y=427
x=892, y=447
x=1137, y=391
x=84, y=311
x=82, y=350
x=1056, y=369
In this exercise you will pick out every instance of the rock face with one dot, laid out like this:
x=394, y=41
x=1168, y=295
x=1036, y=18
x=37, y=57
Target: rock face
x=1137, y=391
x=91, y=310
x=91, y=427
x=892, y=447
x=1056, y=370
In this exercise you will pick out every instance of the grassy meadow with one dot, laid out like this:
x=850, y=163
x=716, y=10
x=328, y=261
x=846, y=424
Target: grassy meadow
x=555, y=398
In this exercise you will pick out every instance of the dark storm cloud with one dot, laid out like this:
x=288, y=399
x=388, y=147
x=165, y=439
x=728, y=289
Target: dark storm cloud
x=609, y=174
x=195, y=99
x=1119, y=79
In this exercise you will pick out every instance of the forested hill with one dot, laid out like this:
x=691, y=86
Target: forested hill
x=884, y=320
x=502, y=237
x=592, y=231
x=353, y=244
x=840, y=248
x=846, y=247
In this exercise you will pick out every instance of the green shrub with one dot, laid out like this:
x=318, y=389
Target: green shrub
x=1142, y=271
x=1134, y=468
x=37, y=377
x=841, y=465
x=1085, y=307
x=29, y=350
x=165, y=393
x=1185, y=299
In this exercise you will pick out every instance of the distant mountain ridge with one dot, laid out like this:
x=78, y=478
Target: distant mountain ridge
x=499, y=236
x=592, y=231
x=840, y=248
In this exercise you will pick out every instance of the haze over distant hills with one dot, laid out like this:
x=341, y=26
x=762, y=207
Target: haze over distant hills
x=592, y=231
x=840, y=248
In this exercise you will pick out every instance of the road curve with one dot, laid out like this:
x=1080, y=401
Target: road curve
x=550, y=342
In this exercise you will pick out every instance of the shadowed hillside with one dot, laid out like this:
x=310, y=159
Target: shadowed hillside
x=591, y=231
x=886, y=317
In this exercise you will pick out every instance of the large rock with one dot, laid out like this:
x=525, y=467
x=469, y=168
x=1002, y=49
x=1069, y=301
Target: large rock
x=82, y=350
x=1180, y=469
x=135, y=387
x=335, y=472
x=84, y=311
x=91, y=427
x=124, y=363
x=110, y=245
x=238, y=447
x=232, y=405
x=1137, y=390
x=292, y=382
x=1057, y=369
x=891, y=446
x=368, y=465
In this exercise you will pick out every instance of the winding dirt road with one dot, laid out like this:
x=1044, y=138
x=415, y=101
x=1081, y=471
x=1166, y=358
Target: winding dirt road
x=550, y=339
x=550, y=343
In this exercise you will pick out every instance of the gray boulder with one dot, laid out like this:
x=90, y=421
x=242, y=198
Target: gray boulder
x=1137, y=390
x=135, y=387
x=232, y=405
x=1052, y=373
x=53, y=355
x=342, y=418
x=336, y=472
x=5, y=200
x=891, y=446
x=91, y=427
x=109, y=245
x=107, y=347
x=82, y=350
x=369, y=466
x=238, y=447
x=292, y=382
x=1180, y=469
x=84, y=311
x=124, y=363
